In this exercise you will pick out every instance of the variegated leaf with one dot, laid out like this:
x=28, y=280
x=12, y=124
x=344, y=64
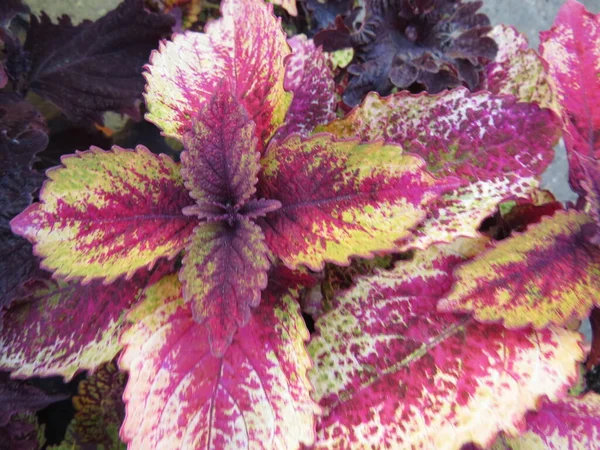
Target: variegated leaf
x=546, y=275
x=179, y=395
x=476, y=136
x=104, y=214
x=224, y=270
x=65, y=328
x=391, y=372
x=341, y=199
x=517, y=69
x=247, y=46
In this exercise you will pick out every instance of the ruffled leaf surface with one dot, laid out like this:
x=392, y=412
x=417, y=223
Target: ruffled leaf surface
x=391, y=371
x=322, y=14
x=22, y=137
x=547, y=275
x=104, y=214
x=570, y=424
x=220, y=162
x=430, y=44
x=475, y=136
x=517, y=69
x=572, y=49
x=247, y=46
x=341, y=199
x=179, y=395
x=224, y=270
x=99, y=408
x=64, y=328
x=94, y=67
x=309, y=78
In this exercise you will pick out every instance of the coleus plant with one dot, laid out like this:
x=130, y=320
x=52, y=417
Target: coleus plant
x=194, y=268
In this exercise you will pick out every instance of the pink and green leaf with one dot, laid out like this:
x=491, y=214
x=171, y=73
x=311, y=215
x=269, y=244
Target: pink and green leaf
x=517, y=70
x=224, y=270
x=460, y=213
x=179, y=395
x=220, y=162
x=548, y=274
x=570, y=424
x=104, y=214
x=247, y=46
x=310, y=79
x=391, y=371
x=65, y=328
x=572, y=49
x=475, y=136
x=341, y=198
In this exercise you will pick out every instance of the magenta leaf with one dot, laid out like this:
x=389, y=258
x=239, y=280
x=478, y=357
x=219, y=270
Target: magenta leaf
x=93, y=67
x=179, y=395
x=309, y=78
x=64, y=328
x=572, y=49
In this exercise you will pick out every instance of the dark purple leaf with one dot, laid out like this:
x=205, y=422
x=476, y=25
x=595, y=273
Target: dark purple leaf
x=437, y=44
x=95, y=66
x=323, y=13
x=21, y=138
x=17, y=396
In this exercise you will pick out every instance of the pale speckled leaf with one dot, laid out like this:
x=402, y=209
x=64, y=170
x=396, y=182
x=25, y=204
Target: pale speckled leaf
x=179, y=395
x=309, y=78
x=572, y=49
x=103, y=214
x=549, y=274
x=64, y=328
x=247, y=46
x=517, y=70
x=392, y=372
x=476, y=136
x=570, y=424
x=460, y=212
x=224, y=270
x=341, y=198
